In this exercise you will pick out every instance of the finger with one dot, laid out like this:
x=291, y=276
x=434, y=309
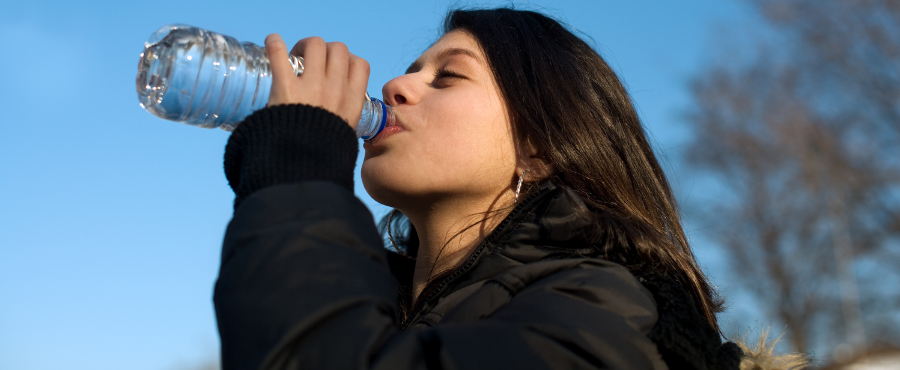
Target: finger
x=313, y=50
x=278, y=61
x=358, y=75
x=338, y=62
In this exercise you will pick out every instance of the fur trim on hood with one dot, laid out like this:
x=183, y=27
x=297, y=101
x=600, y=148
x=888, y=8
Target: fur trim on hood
x=762, y=356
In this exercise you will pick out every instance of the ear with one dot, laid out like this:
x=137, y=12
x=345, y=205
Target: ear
x=534, y=158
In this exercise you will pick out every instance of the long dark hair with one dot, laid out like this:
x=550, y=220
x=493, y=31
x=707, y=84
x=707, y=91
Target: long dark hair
x=562, y=96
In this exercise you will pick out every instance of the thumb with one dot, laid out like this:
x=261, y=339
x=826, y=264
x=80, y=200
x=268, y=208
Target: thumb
x=282, y=71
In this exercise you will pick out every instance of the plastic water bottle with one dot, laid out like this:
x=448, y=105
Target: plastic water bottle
x=206, y=79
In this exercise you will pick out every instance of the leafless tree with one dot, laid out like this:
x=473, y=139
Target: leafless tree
x=800, y=145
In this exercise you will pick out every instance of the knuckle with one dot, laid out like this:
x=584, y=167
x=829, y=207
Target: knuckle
x=363, y=64
x=359, y=63
x=315, y=41
x=338, y=46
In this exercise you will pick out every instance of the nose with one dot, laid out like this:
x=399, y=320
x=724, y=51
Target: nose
x=400, y=90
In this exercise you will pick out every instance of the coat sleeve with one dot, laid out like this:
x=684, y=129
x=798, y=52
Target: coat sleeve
x=304, y=284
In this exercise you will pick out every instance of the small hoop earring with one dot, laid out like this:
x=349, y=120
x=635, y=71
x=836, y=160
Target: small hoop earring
x=519, y=185
x=391, y=235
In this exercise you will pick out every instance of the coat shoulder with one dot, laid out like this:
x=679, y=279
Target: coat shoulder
x=687, y=343
x=682, y=334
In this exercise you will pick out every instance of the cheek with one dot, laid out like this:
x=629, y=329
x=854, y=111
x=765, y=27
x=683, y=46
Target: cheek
x=470, y=138
x=488, y=134
x=460, y=145
x=473, y=123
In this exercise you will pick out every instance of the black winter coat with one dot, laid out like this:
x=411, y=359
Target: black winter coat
x=306, y=282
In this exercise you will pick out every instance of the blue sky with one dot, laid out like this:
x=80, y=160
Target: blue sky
x=111, y=219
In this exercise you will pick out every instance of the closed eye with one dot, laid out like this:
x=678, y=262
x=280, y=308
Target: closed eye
x=443, y=73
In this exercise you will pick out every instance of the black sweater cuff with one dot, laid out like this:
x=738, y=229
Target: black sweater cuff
x=289, y=143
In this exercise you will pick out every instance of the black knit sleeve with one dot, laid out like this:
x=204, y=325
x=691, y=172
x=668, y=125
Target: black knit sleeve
x=289, y=143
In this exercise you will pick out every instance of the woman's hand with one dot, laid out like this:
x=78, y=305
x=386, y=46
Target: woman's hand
x=334, y=79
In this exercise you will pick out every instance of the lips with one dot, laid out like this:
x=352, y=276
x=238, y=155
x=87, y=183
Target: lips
x=392, y=120
x=392, y=126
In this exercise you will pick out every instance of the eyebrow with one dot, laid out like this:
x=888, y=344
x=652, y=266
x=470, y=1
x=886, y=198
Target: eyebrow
x=444, y=54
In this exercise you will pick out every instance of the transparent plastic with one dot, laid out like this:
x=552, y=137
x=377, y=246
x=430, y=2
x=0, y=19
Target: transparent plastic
x=206, y=79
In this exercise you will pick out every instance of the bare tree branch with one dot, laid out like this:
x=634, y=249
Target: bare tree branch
x=803, y=145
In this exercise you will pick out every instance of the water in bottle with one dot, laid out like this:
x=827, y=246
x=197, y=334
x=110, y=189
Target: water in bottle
x=206, y=79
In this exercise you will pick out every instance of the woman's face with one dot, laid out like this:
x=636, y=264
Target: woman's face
x=453, y=137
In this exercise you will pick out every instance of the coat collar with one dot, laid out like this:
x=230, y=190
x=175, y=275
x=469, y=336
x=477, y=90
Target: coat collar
x=549, y=222
x=553, y=222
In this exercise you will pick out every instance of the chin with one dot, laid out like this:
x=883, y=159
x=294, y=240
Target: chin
x=380, y=194
x=380, y=184
x=393, y=189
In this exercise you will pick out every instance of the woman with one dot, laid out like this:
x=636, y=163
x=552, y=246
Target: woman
x=540, y=231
